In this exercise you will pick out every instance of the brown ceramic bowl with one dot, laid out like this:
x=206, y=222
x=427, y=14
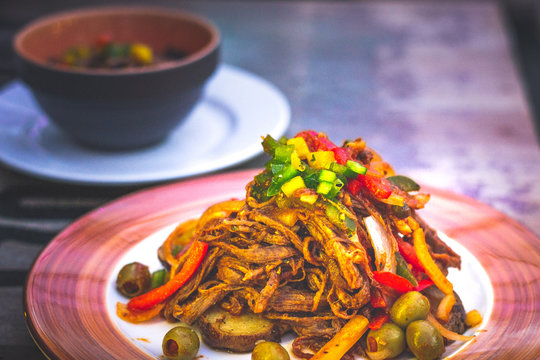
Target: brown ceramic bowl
x=118, y=108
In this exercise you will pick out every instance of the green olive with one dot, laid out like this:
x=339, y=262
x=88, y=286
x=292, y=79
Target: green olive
x=181, y=343
x=424, y=340
x=389, y=339
x=269, y=350
x=133, y=279
x=409, y=307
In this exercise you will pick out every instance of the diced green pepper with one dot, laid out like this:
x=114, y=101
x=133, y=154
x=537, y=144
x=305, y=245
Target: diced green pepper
x=283, y=153
x=159, y=277
x=324, y=187
x=354, y=169
x=283, y=140
x=332, y=213
x=350, y=224
x=340, y=216
x=276, y=168
x=269, y=145
x=262, y=182
x=287, y=173
x=336, y=188
x=338, y=168
x=403, y=270
x=327, y=175
x=273, y=189
x=311, y=177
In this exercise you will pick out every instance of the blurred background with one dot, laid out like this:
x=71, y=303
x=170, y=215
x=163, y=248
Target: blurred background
x=521, y=17
x=427, y=87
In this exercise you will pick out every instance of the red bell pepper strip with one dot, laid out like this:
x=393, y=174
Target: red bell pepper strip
x=378, y=186
x=341, y=155
x=311, y=139
x=319, y=142
x=354, y=186
x=325, y=144
x=378, y=321
x=423, y=284
x=392, y=280
x=153, y=297
x=316, y=141
x=376, y=299
x=409, y=254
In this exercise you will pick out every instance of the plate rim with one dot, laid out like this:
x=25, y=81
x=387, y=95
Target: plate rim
x=234, y=177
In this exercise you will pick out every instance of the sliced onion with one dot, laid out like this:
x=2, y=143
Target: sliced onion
x=447, y=333
x=385, y=259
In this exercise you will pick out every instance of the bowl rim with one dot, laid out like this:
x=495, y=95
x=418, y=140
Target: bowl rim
x=208, y=49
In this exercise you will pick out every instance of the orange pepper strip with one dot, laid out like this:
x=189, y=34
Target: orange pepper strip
x=153, y=297
x=445, y=307
x=137, y=316
x=344, y=339
x=431, y=268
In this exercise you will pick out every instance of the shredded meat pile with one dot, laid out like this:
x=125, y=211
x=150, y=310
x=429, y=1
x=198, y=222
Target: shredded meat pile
x=292, y=264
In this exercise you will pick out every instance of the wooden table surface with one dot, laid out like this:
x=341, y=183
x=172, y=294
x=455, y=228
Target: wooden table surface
x=434, y=87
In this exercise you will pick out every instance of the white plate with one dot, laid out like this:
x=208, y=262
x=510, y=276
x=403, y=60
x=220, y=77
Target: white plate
x=223, y=130
x=471, y=283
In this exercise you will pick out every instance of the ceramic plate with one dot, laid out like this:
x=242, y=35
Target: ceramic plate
x=70, y=299
x=223, y=130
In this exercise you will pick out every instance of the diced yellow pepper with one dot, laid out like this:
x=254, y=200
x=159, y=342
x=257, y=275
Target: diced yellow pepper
x=288, y=217
x=300, y=146
x=296, y=162
x=142, y=54
x=402, y=227
x=292, y=185
x=309, y=198
x=473, y=318
x=321, y=159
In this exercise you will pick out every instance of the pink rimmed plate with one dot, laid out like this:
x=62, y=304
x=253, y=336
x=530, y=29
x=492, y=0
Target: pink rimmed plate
x=70, y=300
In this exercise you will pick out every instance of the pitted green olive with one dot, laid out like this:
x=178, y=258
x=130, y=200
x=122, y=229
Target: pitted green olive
x=424, y=340
x=133, y=279
x=386, y=342
x=269, y=350
x=409, y=307
x=181, y=343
